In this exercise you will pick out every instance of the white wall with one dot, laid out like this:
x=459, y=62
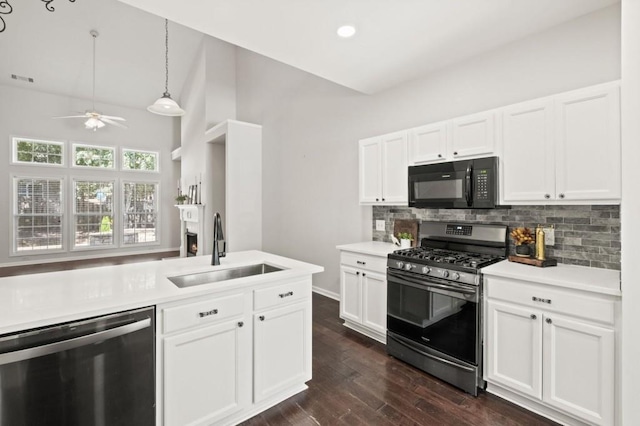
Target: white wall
x=220, y=68
x=630, y=211
x=311, y=126
x=27, y=113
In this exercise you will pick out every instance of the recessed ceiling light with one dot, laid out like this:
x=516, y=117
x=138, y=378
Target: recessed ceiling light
x=346, y=31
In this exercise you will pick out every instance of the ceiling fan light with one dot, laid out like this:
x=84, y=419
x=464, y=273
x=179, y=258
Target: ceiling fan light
x=166, y=106
x=93, y=124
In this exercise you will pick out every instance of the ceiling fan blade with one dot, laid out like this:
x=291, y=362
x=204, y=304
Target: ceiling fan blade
x=111, y=117
x=73, y=116
x=114, y=123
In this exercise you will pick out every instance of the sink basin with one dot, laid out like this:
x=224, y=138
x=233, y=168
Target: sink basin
x=209, y=277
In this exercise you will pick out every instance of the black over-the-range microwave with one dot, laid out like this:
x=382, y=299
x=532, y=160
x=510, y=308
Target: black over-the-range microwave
x=466, y=184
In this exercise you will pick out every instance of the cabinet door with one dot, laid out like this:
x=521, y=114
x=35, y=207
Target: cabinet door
x=528, y=167
x=588, y=144
x=428, y=144
x=374, y=301
x=394, y=168
x=207, y=374
x=514, y=348
x=370, y=170
x=350, y=294
x=282, y=349
x=473, y=135
x=579, y=369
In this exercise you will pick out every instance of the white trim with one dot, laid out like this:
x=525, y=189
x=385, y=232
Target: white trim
x=14, y=152
x=75, y=145
x=327, y=293
x=142, y=151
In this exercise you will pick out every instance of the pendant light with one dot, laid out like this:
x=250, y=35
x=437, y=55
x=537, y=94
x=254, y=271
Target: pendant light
x=165, y=105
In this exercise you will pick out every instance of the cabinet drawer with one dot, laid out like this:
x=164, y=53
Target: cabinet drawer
x=363, y=261
x=203, y=312
x=281, y=294
x=548, y=298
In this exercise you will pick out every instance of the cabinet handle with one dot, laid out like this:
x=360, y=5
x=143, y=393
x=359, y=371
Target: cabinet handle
x=360, y=262
x=377, y=199
x=547, y=196
x=539, y=299
x=533, y=316
x=383, y=199
x=549, y=321
x=207, y=313
x=364, y=275
x=455, y=153
x=561, y=195
x=357, y=273
x=240, y=324
x=289, y=293
x=439, y=155
x=261, y=317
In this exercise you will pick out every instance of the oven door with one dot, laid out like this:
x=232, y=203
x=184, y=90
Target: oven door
x=444, y=185
x=437, y=314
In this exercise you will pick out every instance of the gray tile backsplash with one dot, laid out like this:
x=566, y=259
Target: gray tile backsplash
x=584, y=235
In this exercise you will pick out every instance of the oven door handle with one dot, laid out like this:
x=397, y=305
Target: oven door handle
x=423, y=284
x=433, y=357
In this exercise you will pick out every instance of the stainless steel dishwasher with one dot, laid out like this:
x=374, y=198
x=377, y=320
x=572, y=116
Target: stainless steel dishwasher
x=97, y=371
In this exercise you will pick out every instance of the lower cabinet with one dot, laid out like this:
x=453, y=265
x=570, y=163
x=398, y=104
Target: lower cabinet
x=227, y=357
x=560, y=355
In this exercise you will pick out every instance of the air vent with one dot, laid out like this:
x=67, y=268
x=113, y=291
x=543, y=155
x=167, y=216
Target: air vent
x=21, y=78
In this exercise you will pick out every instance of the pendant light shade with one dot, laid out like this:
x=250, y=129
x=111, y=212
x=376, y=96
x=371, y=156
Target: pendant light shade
x=165, y=105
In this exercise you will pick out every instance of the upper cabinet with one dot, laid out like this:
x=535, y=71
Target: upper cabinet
x=563, y=149
x=464, y=137
x=383, y=169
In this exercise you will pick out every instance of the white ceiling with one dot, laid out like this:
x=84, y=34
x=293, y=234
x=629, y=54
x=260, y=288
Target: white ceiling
x=397, y=40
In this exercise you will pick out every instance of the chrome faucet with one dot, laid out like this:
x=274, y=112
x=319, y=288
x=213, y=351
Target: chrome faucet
x=217, y=237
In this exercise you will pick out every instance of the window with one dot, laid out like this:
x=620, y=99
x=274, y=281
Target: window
x=94, y=156
x=140, y=212
x=37, y=214
x=32, y=151
x=93, y=213
x=139, y=160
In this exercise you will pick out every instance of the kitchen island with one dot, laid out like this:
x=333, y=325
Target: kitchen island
x=225, y=351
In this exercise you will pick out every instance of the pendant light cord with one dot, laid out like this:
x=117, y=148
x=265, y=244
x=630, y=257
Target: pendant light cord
x=94, y=34
x=166, y=57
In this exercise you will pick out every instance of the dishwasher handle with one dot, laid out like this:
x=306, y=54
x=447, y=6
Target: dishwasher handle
x=76, y=342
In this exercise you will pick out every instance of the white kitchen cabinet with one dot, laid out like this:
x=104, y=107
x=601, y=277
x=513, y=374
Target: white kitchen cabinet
x=282, y=349
x=363, y=294
x=473, y=135
x=429, y=144
x=563, y=149
x=551, y=350
x=383, y=169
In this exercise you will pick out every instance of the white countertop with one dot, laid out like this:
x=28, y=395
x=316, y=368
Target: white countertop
x=374, y=248
x=603, y=281
x=37, y=300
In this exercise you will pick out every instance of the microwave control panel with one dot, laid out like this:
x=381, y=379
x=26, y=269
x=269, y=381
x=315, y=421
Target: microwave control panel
x=482, y=184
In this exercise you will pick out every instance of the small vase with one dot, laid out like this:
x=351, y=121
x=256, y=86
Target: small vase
x=405, y=243
x=523, y=250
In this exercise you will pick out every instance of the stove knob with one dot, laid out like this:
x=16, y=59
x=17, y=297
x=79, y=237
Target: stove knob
x=456, y=276
x=408, y=266
x=426, y=269
x=445, y=274
x=400, y=265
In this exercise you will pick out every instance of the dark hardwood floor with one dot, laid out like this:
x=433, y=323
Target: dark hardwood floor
x=356, y=383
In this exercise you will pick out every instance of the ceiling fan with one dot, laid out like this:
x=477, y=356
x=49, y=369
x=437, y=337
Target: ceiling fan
x=96, y=120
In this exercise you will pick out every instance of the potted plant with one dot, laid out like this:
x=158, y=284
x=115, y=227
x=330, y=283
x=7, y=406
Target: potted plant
x=180, y=199
x=405, y=239
x=522, y=237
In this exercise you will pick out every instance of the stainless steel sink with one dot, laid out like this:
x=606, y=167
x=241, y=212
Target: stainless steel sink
x=209, y=277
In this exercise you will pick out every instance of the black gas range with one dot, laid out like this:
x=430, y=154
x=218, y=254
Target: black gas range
x=434, y=312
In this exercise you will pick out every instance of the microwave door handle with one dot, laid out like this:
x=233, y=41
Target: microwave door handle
x=468, y=190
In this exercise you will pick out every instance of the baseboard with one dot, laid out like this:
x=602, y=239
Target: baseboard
x=327, y=293
x=382, y=338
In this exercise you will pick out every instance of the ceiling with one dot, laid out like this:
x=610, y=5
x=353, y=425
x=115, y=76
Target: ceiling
x=396, y=40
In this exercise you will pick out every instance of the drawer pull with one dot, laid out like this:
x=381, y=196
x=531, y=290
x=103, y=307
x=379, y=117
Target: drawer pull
x=357, y=273
x=283, y=295
x=549, y=321
x=207, y=313
x=261, y=317
x=360, y=262
x=533, y=316
x=240, y=324
x=539, y=299
x=364, y=275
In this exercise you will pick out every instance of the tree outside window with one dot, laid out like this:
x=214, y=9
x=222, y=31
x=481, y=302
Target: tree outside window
x=38, y=214
x=141, y=212
x=93, y=213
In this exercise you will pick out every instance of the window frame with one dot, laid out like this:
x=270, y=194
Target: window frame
x=113, y=150
x=15, y=177
x=14, y=152
x=123, y=211
x=123, y=162
x=73, y=214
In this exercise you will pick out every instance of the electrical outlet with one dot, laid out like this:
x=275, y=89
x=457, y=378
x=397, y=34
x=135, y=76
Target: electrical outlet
x=379, y=225
x=549, y=236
